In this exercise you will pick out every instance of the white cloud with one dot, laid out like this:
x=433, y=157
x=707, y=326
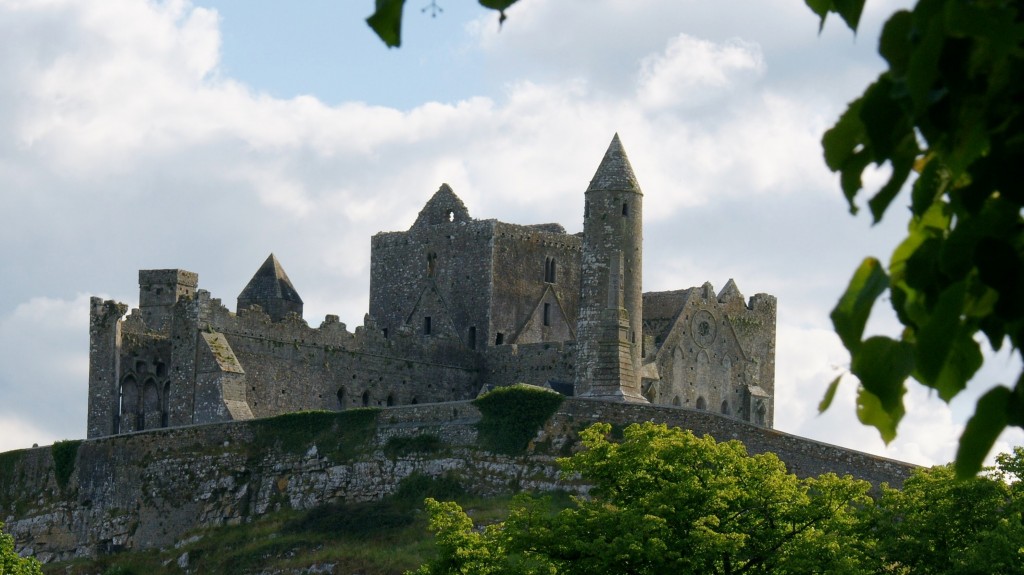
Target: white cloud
x=692, y=72
x=44, y=369
x=124, y=145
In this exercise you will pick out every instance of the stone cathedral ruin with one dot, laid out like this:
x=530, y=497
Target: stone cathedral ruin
x=457, y=306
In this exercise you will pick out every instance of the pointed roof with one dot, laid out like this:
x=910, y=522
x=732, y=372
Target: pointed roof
x=442, y=208
x=270, y=282
x=615, y=174
x=730, y=292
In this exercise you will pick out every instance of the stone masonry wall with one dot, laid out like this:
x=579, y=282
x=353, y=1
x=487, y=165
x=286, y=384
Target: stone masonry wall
x=149, y=489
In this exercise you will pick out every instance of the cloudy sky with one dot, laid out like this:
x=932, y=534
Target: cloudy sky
x=205, y=135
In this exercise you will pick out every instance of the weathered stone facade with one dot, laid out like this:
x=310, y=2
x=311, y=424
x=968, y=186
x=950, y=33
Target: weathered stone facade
x=457, y=305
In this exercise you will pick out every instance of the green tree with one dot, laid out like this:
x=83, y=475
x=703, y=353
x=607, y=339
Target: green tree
x=949, y=107
x=938, y=525
x=665, y=501
x=13, y=564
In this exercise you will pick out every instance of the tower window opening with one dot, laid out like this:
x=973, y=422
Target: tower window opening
x=450, y=216
x=725, y=408
x=625, y=209
x=499, y=338
x=702, y=403
x=366, y=398
x=471, y=339
x=431, y=264
x=549, y=270
x=547, y=314
x=426, y=325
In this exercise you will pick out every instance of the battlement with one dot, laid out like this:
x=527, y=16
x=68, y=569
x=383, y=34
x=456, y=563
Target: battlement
x=457, y=304
x=168, y=277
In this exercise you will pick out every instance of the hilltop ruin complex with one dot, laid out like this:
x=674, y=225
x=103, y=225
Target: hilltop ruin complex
x=457, y=305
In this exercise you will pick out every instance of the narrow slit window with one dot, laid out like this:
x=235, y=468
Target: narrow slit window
x=547, y=314
x=426, y=325
x=471, y=338
x=431, y=264
x=549, y=270
x=625, y=209
x=499, y=338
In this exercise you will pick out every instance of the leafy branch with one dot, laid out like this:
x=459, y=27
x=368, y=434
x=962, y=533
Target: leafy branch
x=948, y=109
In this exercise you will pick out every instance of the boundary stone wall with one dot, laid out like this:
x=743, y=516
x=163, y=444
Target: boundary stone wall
x=150, y=489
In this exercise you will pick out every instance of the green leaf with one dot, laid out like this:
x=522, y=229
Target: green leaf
x=830, y=394
x=497, y=4
x=946, y=354
x=851, y=313
x=923, y=67
x=902, y=164
x=849, y=11
x=386, y=21
x=882, y=364
x=841, y=141
x=894, y=44
x=870, y=412
x=930, y=185
x=500, y=6
x=982, y=429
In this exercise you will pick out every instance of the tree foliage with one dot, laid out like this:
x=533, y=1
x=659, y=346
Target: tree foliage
x=938, y=525
x=665, y=501
x=948, y=109
x=386, y=20
x=13, y=564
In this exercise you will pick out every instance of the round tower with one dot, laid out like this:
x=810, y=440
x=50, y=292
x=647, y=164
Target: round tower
x=612, y=232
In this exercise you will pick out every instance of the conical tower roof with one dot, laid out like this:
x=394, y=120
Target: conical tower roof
x=269, y=283
x=615, y=174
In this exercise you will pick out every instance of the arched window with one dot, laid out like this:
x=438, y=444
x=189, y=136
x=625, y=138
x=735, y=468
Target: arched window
x=166, y=419
x=675, y=401
x=702, y=403
x=366, y=398
x=550, y=269
x=761, y=412
x=725, y=408
x=150, y=404
x=341, y=398
x=391, y=399
x=129, y=404
x=625, y=209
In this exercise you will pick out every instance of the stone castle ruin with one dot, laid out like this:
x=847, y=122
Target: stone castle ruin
x=457, y=306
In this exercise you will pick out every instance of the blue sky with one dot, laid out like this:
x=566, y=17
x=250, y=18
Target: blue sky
x=206, y=135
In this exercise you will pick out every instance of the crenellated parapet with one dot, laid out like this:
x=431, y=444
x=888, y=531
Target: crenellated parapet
x=457, y=304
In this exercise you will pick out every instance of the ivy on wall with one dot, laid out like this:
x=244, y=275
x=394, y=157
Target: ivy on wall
x=64, y=455
x=512, y=416
x=339, y=435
